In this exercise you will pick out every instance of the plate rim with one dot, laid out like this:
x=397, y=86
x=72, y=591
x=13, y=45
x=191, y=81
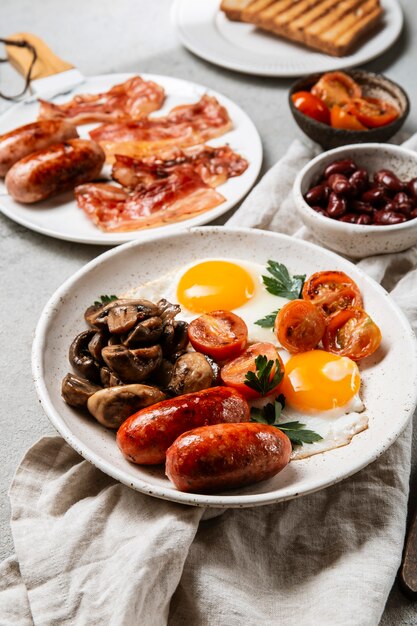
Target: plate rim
x=222, y=501
x=199, y=220
x=255, y=70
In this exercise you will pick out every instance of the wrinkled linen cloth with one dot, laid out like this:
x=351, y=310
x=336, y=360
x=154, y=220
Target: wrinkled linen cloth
x=92, y=551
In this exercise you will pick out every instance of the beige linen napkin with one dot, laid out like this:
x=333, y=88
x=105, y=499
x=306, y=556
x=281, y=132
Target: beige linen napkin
x=91, y=551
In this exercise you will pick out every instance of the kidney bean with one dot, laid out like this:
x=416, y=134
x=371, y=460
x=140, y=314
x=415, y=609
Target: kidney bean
x=345, y=166
x=359, y=181
x=361, y=207
x=413, y=214
x=364, y=219
x=317, y=195
x=339, y=184
x=383, y=217
x=375, y=196
x=412, y=188
x=350, y=218
x=402, y=203
x=336, y=206
x=319, y=209
x=388, y=179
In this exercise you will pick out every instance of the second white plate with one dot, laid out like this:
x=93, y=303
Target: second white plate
x=60, y=216
x=207, y=32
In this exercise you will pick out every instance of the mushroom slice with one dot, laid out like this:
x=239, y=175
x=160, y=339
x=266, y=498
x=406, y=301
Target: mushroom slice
x=192, y=372
x=132, y=366
x=167, y=310
x=76, y=390
x=174, y=339
x=81, y=359
x=97, y=343
x=108, y=378
x=148, y=331
x=98, y=317
x=113, y=405
x=162, y=376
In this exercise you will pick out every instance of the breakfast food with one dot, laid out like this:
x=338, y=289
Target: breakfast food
x=185, y=125
x=52, y=170
x=327, y=25
x=336, y=99
x=220, y=395
x=224, y=456
x=145, y=437
x=349, y=193
x=130, y=100
x=24, y=140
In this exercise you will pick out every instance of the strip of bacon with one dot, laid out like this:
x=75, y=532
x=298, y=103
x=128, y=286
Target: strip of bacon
x=130, y=100
x=214, y=165
x=179, y=196
x=185, y=125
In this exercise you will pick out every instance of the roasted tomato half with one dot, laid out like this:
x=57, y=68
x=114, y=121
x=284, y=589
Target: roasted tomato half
x=372, y=112
x=352, y=333
x=311, y=106
x=219, y=334
x=336, y=88
x=340, y=117
x=299, y=326
x=331, y=292
x=233, y=374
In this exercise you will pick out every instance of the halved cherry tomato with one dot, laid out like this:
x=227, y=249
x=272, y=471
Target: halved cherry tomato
x=233, y=373
x=352, y=333
x=299, y=326
x=341, y=118
x=372, y=112
x=311, y=106
x=332, y=291
x=336, y=88
x=219, y=334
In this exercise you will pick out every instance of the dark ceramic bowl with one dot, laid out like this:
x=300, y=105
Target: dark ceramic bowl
x=373, y=86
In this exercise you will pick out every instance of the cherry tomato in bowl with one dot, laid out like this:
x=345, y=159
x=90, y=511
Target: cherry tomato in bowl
x=372, y=112
x=233, y=374
x=331, y=292
x=341, y=117
x=311, y=106
x=336, y=88
x=352, y=333
x=220, y=334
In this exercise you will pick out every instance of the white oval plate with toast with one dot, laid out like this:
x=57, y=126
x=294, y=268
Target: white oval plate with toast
x=389, y=401
x=60, y=217
x=206, y=31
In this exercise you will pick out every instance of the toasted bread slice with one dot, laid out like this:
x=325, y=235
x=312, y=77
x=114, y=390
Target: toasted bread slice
x=331, y=26
x=233, y=8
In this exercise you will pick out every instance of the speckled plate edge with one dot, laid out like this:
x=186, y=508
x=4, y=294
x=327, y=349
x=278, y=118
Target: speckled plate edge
x=221, y=501
x=247, y=135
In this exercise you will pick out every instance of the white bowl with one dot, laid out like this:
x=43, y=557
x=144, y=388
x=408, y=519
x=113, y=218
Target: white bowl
x=355, y=240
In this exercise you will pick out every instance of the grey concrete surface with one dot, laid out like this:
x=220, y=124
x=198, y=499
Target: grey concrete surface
x=101, y=36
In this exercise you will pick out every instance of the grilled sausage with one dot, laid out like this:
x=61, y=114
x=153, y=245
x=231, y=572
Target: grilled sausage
x=53, y=170
x=145, y=436
x=226, y=456
x=32, y=137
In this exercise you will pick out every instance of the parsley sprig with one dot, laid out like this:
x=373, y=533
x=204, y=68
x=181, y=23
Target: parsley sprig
x=104, y=300
x=271, y=414
x=280, y=283
x=261, y=380
x=268, y=321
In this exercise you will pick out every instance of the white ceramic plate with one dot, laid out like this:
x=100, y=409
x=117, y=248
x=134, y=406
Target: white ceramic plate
x=207, y=32
x=60, y=216
x=389, y=402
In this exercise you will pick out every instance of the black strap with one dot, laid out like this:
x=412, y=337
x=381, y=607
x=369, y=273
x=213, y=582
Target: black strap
x=20, y=43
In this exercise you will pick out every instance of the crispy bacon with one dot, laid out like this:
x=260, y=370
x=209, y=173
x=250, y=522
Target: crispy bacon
x=214, y=165
x=130, y=100
x=178, y=196
x=185, y=125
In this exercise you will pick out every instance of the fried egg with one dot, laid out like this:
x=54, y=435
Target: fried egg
x=322, y=390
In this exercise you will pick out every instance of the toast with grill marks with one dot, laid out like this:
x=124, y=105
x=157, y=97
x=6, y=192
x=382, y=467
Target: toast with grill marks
x=335, y=27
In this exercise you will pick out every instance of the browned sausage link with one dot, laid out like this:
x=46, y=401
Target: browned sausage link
x=145, y=436
x=55, y=169
x=32, y=137
x=226, y=456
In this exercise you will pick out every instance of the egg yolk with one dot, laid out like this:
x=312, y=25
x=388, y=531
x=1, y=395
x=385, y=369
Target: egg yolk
x=213, y=285
x=318, y=381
